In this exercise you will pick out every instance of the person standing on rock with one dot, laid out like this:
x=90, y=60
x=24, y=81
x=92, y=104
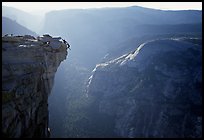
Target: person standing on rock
x=66, y=43
x=68, y=46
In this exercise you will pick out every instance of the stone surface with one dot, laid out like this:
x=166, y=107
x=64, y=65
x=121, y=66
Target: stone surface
x=155, y=91
x=28, y=69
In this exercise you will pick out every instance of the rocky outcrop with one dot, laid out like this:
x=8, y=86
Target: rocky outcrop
x=28, y=70
x=154, y=91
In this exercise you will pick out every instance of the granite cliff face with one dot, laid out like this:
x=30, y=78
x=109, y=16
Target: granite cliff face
x=154, y=91
x=28, y=68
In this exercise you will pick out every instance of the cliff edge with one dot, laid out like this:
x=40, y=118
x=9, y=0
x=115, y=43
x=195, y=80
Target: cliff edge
x=28, y=68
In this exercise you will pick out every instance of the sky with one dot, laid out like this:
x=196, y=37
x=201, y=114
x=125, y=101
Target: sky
x=48, y=6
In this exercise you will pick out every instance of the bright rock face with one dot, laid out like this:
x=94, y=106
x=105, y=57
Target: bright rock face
x=28, y=70
x=154, y=91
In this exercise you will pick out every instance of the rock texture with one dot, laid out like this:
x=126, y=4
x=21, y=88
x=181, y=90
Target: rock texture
x=154, y=91
x=28, y=70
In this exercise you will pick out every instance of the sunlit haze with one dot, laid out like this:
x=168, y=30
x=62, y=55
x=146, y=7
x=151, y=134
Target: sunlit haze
x=48, y=6
x=102, y=69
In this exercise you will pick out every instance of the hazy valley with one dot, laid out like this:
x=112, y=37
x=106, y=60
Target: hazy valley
x=131, y=72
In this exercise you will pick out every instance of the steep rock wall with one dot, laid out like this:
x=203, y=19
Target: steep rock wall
x=28, y=68
x=155, y=91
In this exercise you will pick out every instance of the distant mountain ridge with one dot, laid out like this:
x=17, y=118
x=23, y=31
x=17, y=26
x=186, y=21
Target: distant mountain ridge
x=101, y=35
x=28, y=20
x=100, y=29
x=12, y=27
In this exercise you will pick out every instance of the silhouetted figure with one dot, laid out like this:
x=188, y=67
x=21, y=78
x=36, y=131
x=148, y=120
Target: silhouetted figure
x=67, y=44
x=64, y=41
